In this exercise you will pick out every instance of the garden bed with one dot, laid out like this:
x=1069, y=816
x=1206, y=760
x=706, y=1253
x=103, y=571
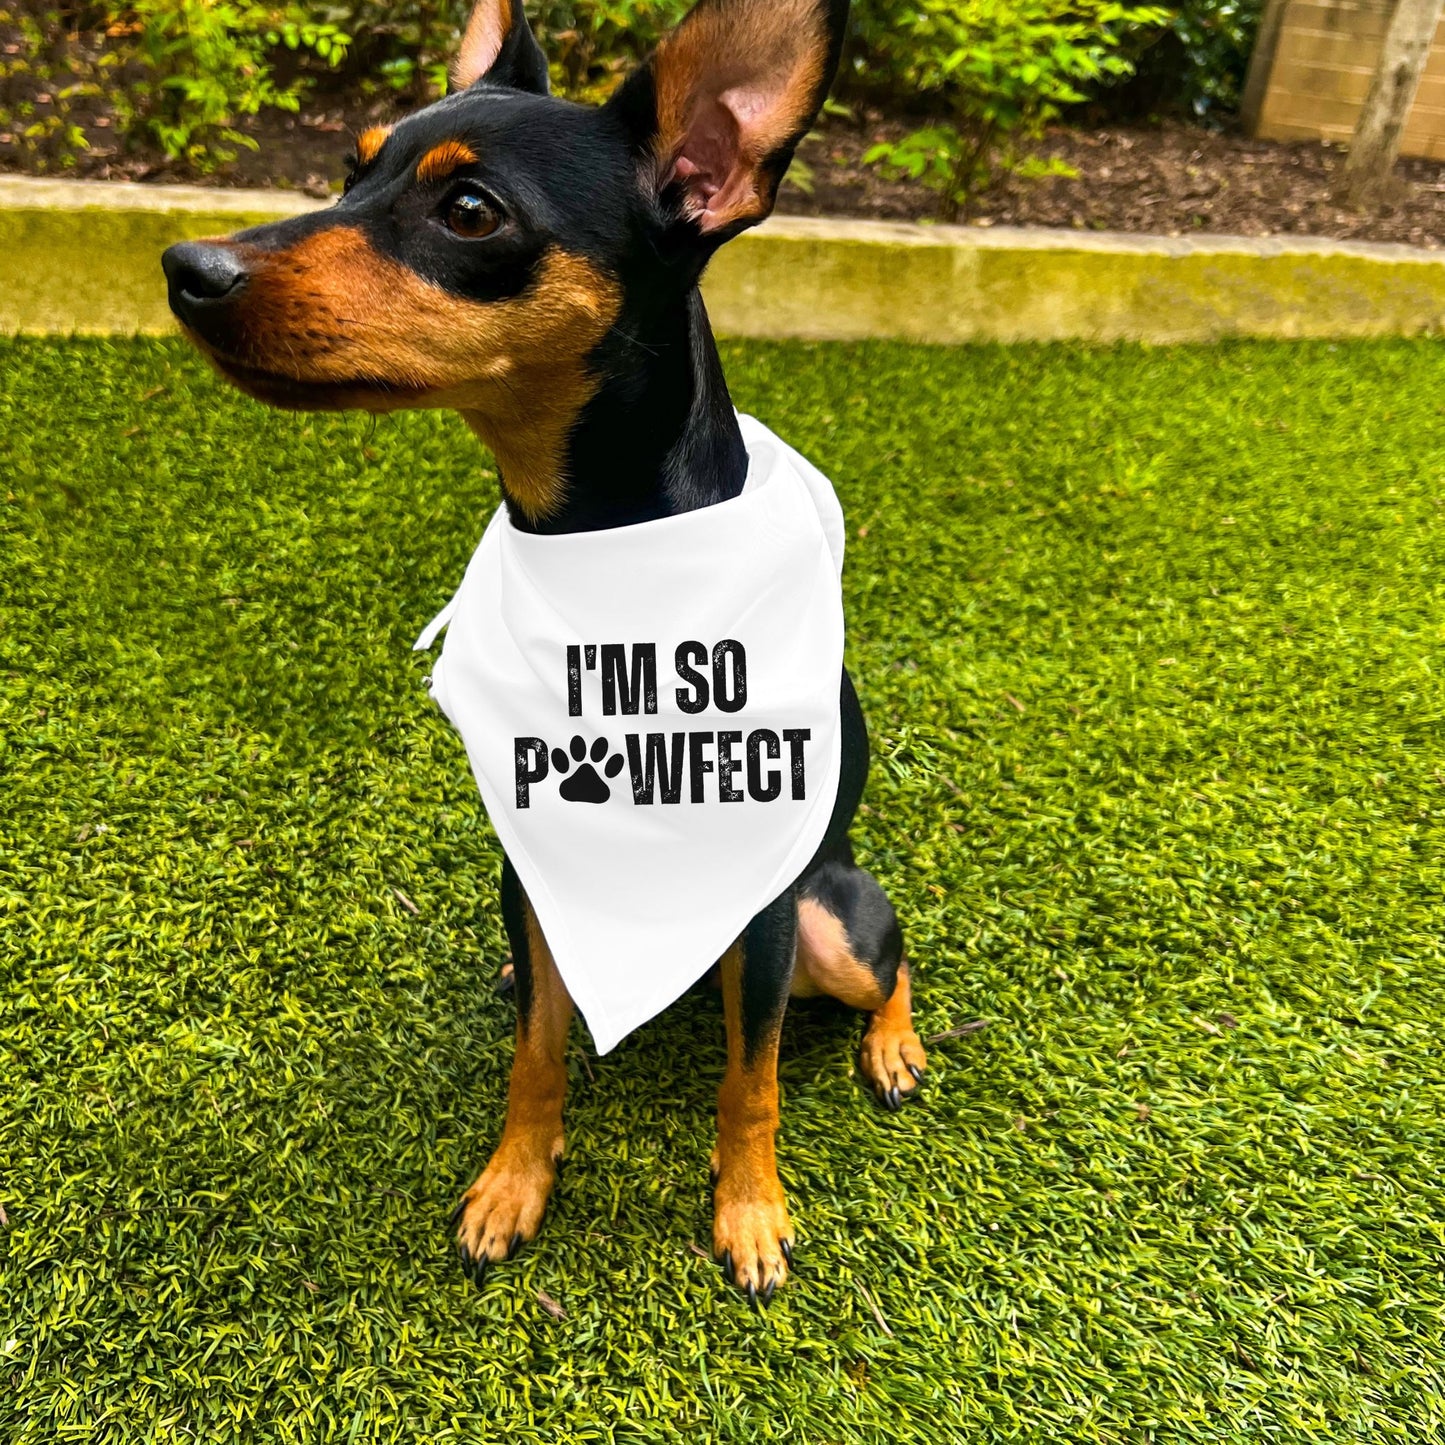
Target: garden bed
x=1169, y=179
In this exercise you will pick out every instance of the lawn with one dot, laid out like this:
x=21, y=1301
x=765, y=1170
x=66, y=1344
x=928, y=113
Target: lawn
x=1150, y=643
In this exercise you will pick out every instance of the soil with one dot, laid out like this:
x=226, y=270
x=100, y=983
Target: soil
x=1170, y=178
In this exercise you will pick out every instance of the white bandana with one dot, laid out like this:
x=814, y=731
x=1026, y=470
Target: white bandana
x=652, y=715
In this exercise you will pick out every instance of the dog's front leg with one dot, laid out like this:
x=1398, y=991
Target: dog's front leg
x=504, y=1208
x=751, y=1232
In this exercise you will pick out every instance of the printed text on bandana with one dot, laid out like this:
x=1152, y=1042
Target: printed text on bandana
x=724, y=765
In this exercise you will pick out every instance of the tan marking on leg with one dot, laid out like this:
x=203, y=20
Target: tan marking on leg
x=826, y=963
x=504, y=1206
x=750, y=1214
x=890, y=1045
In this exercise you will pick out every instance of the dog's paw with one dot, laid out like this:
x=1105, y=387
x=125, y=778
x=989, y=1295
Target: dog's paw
x=752, y=1238
x=892, y=1061
x=502, y=1211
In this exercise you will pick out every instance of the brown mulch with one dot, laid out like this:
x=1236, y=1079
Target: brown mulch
x=303, y=152
x=1172, y=179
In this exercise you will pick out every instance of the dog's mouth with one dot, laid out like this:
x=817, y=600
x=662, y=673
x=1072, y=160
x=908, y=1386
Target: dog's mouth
x=291, y=393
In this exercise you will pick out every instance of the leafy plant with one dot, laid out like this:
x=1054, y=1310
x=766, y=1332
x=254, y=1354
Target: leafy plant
x=405, y=44
x=998, y=71
x=590, y=44
x=177, y=73
x=1212, y=43
x=184, y=75
x=205, y=63
x=45, y=82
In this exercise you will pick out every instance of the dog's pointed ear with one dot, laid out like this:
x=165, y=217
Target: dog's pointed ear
x=498, y=47
x=718, y=110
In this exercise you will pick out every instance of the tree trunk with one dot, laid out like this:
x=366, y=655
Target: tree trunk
x=1376, y=141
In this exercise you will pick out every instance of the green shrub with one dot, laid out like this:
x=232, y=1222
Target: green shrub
x=590, y=44
x=406, y=45
x=46, y=77
x=179, y=74
x=998, y=71
x=1212, y=40
x=182, y=74
x=204, y=64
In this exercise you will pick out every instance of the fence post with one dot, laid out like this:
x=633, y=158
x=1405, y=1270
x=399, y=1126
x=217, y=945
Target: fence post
x=1261, y=65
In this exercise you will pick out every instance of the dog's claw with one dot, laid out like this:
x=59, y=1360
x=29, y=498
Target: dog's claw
x=727, y=1267
x=456, y=1213
x=752, y=1295
x=472, y=1269
x=767, y=1294
x=786, y=1245
x=514, y=1246
x=916, y=1072
x=894, y=1099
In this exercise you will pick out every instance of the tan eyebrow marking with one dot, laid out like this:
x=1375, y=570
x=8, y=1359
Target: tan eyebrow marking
x=369, y=142
x=443, y=159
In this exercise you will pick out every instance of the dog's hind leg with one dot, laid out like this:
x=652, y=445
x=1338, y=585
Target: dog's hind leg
x=851, y=947
x=752, y=1235
x=503, y=1208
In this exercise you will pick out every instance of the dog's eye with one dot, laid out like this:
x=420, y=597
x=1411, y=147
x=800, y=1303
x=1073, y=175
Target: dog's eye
x=471, y=214
x=353, y=165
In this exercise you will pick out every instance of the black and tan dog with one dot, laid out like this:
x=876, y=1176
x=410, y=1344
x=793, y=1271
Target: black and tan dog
x=534, y=265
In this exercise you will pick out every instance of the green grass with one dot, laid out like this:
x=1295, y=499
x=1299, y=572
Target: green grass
x=1150, y=643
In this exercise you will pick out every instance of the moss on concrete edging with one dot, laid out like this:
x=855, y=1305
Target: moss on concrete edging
x=83, y=257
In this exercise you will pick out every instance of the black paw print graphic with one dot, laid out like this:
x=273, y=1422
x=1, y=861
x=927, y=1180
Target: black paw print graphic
x=585, y=785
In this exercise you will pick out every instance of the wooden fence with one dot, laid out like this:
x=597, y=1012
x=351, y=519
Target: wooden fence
x=1313, y=64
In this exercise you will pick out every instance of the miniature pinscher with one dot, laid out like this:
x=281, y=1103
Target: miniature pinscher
x=534, y=265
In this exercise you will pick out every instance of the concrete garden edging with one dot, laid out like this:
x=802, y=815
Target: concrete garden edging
x=82, y=257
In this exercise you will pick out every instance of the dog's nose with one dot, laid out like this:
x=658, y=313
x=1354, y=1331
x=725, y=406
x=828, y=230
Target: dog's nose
x=199, y=274
x=202, y=270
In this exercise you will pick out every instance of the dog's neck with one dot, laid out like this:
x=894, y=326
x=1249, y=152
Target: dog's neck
x=658, y=437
